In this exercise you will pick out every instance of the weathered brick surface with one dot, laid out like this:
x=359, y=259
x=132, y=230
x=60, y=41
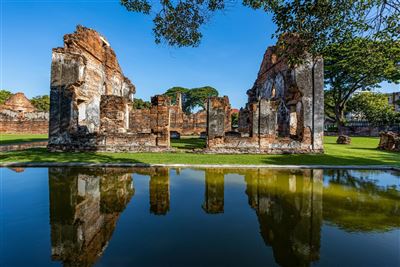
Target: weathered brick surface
x=18, y=115
x=284, y=112
x=91, y=101
x=187, y=124
x=218, y=117
x=114, y=114
x=91, y=106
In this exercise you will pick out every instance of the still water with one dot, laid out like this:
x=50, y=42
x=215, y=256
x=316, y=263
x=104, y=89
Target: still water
x=199, y=217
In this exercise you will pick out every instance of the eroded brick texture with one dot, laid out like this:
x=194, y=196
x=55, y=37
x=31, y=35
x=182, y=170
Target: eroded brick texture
x=284, y=112
x=92, y=101
x=187, y=124
x=18, y=115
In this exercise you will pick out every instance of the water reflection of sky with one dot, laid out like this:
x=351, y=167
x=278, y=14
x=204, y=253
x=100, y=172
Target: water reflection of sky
x=380, y=178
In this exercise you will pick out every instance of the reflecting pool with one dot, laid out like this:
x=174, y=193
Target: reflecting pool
x=199, y=217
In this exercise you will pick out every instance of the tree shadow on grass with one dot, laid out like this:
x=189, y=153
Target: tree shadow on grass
x=42, y=155
x=21, y=141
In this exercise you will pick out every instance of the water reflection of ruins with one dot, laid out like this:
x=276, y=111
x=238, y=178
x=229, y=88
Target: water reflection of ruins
x=289, y=212
x=85, y=205
x=290, y=206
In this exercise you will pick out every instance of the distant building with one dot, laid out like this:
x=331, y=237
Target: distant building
x=394, y=100
x=18, y=115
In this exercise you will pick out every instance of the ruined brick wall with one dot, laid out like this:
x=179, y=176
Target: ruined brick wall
x=284, y=112
x=218, y=120
x=140, y=121
x=114, y=114
x=298, y=94
x=177, y=118
x=81, y=72
x=187, y=124
x=18, y=115
x=91, y=101
x=127, y=129
x=160, y=119
x=196, y=123
x=24, y=126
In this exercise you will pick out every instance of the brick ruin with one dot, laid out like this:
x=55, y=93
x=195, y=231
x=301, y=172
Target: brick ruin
x=18, y=115
x=187, y=124
x=284, y=112
x=91, y=101
x=92, y=106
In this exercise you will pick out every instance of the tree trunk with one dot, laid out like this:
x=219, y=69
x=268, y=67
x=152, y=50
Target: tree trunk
x=339, y=120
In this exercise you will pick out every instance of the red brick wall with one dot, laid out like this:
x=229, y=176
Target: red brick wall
x=24, y=127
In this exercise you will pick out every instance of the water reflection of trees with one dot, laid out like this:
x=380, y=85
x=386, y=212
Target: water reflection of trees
x=85, y=205
x=359, y=203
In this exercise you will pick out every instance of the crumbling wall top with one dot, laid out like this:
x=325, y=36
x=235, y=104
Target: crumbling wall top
x=18, y=102
x=88, y=43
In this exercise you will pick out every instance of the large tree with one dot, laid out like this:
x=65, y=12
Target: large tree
x=373, y=107
x=319, y=23
x=357, y=65
x=197, y=97
x=192, y=98
x=322, y=27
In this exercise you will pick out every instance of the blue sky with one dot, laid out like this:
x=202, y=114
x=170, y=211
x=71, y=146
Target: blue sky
x=228, y=57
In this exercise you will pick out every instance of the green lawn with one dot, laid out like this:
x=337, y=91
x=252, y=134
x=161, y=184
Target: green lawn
x=188, y=142
x=21, y=138
x=362, y=151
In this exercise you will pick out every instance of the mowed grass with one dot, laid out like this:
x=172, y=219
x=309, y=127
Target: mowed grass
x=362, y=151
x=21, y=138
x=188, y=142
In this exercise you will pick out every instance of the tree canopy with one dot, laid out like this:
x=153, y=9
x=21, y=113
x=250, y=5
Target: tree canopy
x=197, y=97
x=358, y=65
x=139, y=103
x=4, y=95
x=318, y=23
x=192, y=98
x=373, y=107
x=171, y=92
x=41, y=102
